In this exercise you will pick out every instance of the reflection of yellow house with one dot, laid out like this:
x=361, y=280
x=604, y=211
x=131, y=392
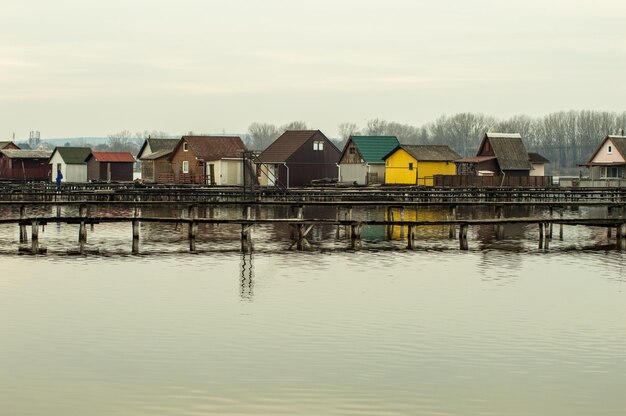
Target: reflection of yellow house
x=417, y=164
x=399, y=232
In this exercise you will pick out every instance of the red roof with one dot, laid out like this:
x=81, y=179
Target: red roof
x=113, y=157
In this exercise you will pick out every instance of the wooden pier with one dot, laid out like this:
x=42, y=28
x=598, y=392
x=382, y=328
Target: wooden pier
x=301, y=227
x=201, y=205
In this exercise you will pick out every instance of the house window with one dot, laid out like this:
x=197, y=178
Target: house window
x=410, y=165
x=352, y=150
x=609, y=149
x=612, y=172
x=318, y=145
x=185, y=146
x=185, y=166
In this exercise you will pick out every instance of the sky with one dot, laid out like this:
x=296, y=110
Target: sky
x=85, y=68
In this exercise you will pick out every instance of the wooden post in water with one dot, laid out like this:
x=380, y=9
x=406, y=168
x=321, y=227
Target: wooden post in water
x=337, y=218
x=82, y=229
x=355, y=235
x=561, y=226
x=35, y=237
x=23, y=234
x=463, y=237
x=541, y=234
x=410, y=236
x=135, y=237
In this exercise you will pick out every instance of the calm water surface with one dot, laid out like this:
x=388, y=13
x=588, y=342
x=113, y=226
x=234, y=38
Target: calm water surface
x=505, y=328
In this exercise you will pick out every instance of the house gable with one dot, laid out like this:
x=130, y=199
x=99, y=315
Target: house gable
x=611, y=151
x=509, y=150
x=370, y=149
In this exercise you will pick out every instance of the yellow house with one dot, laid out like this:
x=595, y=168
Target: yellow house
x=417, y=164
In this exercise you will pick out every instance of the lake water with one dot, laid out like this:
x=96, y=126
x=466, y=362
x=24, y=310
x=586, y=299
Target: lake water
x=505, y=328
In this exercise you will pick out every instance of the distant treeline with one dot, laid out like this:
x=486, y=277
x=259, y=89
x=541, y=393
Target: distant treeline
x=567, y=139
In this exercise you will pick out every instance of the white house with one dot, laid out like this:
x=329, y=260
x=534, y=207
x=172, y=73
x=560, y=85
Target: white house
x=71, y=161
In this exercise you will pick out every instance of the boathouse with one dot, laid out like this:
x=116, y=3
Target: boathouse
x=361, y=161
x=297, y=158
x=24, y=165
x=418, y=164
x=210, y=160
x=608, y=161
x=110, y=166
x=72, y=161
x=154, y=157
x=499, y=154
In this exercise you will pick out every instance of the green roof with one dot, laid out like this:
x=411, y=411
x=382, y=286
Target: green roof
x=374, y=148
x=73, y=155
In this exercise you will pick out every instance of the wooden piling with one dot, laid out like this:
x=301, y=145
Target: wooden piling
x=135, y=236
x=35, y=237
x=463, y=237
x=23, y=233
x=82, y=229
x=411, y=236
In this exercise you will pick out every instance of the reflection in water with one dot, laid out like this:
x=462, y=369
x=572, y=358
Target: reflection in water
x=246, y=282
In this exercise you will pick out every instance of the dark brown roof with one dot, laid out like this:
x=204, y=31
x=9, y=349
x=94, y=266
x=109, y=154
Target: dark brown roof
x=509, y=149
x=157, y=145
x=537, y=158
x=475, y=159
x=283, y=147
x=214, y=147
x=428, y=152
x=157, y=155
x=618, y=141
x=112, y=157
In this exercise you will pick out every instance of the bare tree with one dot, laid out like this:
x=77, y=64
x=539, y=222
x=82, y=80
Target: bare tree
x=263, y=134
x=294, y=125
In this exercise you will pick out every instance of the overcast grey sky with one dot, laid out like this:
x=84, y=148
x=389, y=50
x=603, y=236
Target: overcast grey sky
x=91, y=68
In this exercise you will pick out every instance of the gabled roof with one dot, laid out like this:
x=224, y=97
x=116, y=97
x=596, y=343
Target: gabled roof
x=618, y=141
x=372, y=148
x=475, y=159
x=157, y=155
x=25, y=154
x=157, y=145
x=428, y=152
x=283, y=147
x=213, y=147
x=537, y=158
x=8, y=143
x=508, y=149
x=72, y=155
x=112, y=157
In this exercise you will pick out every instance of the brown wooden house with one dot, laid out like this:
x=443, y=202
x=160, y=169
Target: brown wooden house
x=110, y=166
x=499, y=154
x=154, y=156
x=24, y=165
x=298, y=157
x=210, y=160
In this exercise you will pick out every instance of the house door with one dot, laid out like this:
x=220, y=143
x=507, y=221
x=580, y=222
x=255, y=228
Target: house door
x=272, y=174
x=211, y=177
